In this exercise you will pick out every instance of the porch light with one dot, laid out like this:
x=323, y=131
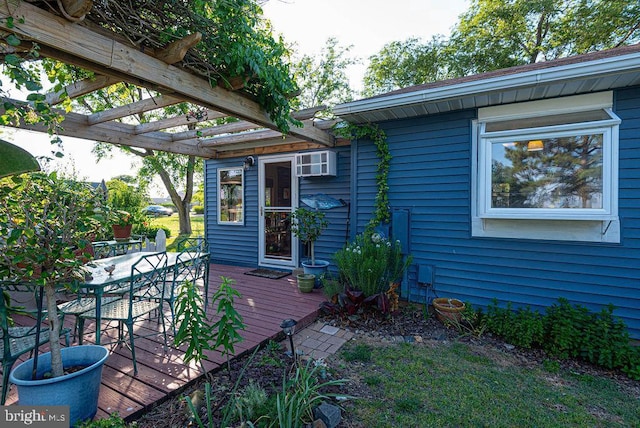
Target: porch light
x=249, y=161
x=288, y=327
x=535, y=146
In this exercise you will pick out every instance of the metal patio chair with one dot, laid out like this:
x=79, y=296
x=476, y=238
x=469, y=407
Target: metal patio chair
x=148, y=276
x=199, y=244
x=191, y=265
x=82, y=302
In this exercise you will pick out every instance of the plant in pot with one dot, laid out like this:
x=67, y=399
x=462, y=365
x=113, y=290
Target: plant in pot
x=307, y=225
x=45, y=225
x=121, y=224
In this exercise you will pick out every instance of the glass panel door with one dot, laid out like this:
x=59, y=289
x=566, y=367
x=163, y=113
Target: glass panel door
x=278, y=197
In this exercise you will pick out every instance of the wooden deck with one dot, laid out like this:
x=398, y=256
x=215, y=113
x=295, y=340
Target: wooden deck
x=264, y=304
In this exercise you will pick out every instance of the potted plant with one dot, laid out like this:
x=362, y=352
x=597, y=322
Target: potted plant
x=306, y=282
x=45, y=222
x=122, y=224
x=308, y=225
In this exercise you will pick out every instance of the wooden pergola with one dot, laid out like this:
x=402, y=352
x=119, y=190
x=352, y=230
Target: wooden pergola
x=62, y=33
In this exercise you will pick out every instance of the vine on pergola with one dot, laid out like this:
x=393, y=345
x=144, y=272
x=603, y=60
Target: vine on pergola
x=236, y=42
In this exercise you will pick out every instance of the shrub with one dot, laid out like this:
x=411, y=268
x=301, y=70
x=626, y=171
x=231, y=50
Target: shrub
x=569, y=331
x=150, y=232
x=370, y=263
x=523, y=328
x=198, y=209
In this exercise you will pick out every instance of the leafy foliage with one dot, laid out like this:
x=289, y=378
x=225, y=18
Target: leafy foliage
x=24, y=73
x=193, y=327
x=370, y=263
x=368, y=267
x=300, y=394
x=371, y=132
x=496, y=34
x=323, y=79
x=47, y=222
x=523, y=327
x=226, y=328
x=569, y=331
x=308, y=225
x=405, y=63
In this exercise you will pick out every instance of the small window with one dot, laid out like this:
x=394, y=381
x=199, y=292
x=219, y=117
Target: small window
x=552, y=162
x=231, y=195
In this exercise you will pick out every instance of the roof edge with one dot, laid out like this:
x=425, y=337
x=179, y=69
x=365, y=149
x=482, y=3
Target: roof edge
x=613, y=64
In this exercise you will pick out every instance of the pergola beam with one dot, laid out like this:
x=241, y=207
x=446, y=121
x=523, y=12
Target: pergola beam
x=82, y=87
x=137, y=107
x=172, y=122
x=107, y=56
x=75, y=125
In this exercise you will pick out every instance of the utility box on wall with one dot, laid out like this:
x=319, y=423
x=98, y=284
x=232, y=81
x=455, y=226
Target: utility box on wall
x=400, y=229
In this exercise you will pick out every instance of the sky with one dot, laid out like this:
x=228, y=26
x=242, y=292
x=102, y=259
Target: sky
x=367, y=25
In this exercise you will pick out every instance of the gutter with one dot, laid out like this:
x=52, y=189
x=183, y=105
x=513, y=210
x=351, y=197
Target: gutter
x=589, y=69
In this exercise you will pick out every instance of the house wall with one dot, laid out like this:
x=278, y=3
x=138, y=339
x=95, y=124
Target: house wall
x=431, y=177
x=238, y=244
x=235, y=245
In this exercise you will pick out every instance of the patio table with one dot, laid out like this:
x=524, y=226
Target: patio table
x=101, y=279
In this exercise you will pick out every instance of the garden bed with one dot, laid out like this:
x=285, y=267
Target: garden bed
x=419, y=331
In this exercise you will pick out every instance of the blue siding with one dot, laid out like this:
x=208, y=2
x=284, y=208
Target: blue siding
x=335, y=236
x=232, y=244
x=431, y=177
x=238, y=244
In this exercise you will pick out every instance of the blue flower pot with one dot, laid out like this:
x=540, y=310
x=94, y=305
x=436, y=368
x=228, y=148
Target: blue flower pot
x=78, y=390
x=320, y=267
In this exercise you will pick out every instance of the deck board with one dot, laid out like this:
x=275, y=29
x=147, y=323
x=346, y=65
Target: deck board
x=264, y=304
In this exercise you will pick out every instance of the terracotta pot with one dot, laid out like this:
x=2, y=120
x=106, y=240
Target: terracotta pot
x=448, y=310
x=121, y=232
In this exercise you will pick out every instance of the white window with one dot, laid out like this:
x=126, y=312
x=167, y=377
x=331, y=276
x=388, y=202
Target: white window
x=231, y=196
x=548, y=170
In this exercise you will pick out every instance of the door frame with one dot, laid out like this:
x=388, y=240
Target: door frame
x=262, y=259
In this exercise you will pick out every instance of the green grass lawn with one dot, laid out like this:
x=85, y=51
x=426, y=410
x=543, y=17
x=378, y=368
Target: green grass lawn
x=172, y=222
x=460, y=385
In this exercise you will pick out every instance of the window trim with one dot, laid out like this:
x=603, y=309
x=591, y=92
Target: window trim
x=219, y=203
x=591, y=225
x=485, y=158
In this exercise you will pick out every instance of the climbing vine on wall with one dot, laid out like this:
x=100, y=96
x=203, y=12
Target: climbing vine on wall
x=382, y=213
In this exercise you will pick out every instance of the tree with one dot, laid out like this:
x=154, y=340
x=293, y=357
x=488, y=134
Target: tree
x=405, y=63
x=236, y=41
x=495, y=34
x=323, y=79
x=46, y=223
x=175, y=171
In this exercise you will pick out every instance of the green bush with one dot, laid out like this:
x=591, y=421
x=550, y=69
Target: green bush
x=370, y=263
x=569, y=331
x=150, y=231
x=523, y=328
x=198, y=209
